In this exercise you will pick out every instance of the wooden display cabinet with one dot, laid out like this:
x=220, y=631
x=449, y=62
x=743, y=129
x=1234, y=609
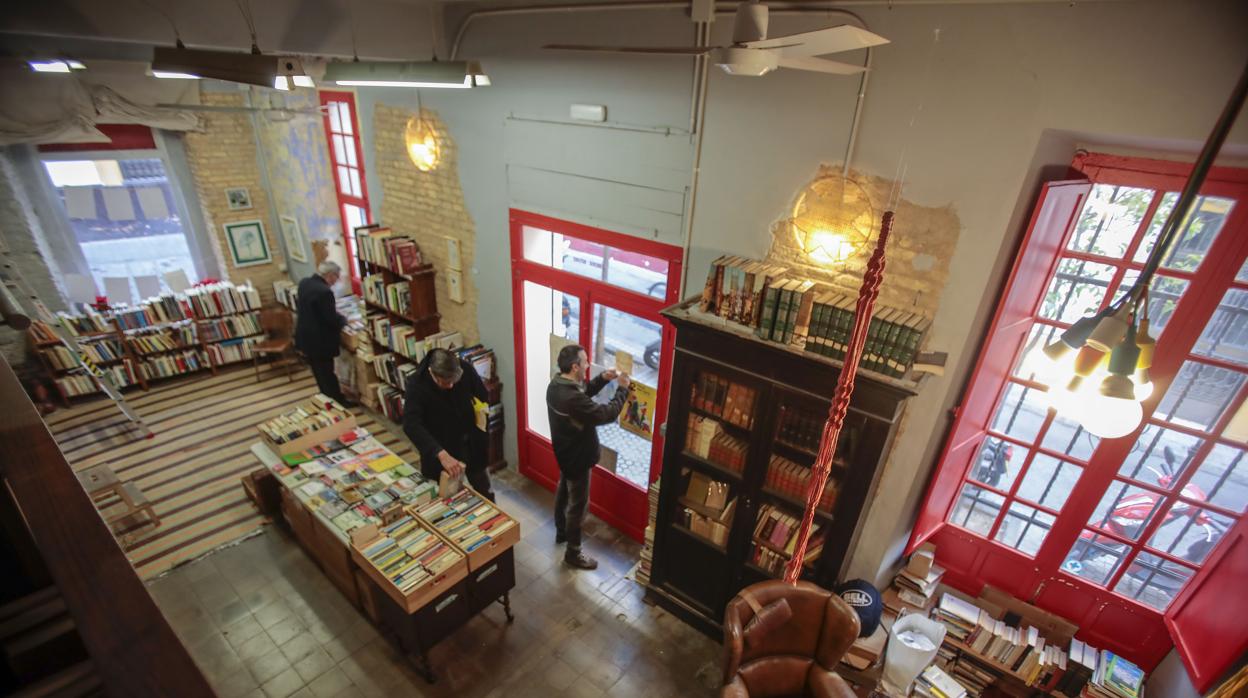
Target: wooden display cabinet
x=767, y=404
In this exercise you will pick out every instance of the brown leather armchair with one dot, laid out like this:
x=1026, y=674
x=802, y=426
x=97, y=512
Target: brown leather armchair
x=797, y=658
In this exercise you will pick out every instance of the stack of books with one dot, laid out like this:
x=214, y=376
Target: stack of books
x=705, y=439
x=230, y=327
x=719, y=397
x=381, y=246
x=914, y=588
x=222, y=298
x=1107, y=675
x=409, y=555
x=790, y=479
x=467, y=519
x=935, y=683
x=174, y=364
x=312, y=415
x=480, y=358
x=90, y=322
x=167, y=338
x=775, y=537
x=734, y=288
x=646, y=561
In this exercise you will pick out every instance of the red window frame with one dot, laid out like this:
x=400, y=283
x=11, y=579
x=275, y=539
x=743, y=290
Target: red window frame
x=1196, y=620
x=329, y=100
x=621, y=504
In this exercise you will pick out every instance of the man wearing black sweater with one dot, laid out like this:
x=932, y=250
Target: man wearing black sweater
x=574, y=422
x=440, y=419
x=318, y=326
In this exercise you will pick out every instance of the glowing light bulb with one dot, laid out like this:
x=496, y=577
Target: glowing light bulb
x=1110, y=417
x=1143, y=385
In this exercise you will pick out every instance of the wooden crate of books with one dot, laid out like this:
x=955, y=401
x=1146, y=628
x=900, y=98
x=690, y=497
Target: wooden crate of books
x=417, y=565
x=335, y=559
x=299, y=519
x=315, y=421
x=471, y=523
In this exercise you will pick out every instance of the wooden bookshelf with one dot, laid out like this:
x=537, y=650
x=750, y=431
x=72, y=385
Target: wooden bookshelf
x=695, y=579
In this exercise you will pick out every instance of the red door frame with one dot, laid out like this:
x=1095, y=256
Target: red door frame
x=327, y=96
x=620, y=503
x=1105, y=618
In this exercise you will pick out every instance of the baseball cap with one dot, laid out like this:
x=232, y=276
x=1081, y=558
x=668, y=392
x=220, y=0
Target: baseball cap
x=864, y=598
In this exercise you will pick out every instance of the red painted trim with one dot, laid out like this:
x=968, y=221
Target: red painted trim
x=613, y=499
x=121, y=137
x=361, y=202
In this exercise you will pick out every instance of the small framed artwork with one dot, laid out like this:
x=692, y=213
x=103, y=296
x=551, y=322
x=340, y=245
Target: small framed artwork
x=238, y=198
x=247, y=243
x=293, y=236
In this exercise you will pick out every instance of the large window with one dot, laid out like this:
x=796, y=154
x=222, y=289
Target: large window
x=346, y=158
x=1030, y=501
x=123, y=215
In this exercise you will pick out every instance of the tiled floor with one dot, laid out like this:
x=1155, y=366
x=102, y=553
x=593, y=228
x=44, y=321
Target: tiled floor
x=261, y=620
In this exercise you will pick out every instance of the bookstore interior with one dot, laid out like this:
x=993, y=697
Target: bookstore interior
x=879, y=348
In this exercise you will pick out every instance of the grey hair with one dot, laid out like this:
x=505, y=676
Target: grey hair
x=327, y=267
x=445, y=365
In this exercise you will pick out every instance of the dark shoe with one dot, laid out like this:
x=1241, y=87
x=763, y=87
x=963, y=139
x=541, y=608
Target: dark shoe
x=561, y=538
x=580, y=561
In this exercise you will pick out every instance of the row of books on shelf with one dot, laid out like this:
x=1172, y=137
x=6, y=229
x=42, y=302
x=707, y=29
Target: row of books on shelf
x=222, y=298
x=287, y=293
x=174, y=364
x=393, y=372
x=482, y=359
x=383, y=247
x=230, y=327
x=800, y=429
x=160, y=339
x=733, y=402
x=467, y=519
x=230, y=350
x=167, y=307
x=314, y=414
x=705, y=439
x=405, y=340
x=200, y=302
x=809, y=315
x=775, y=539
x=103, y=351
x=791, y=479
x=122, y=375
x=391, y=403
x=397, y=297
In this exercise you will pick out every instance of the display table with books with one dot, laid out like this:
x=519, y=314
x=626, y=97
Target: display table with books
x=418, y=564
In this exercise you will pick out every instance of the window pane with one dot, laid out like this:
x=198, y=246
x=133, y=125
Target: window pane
x=344, y=111
x=1159, y=456
x=1049, y=481
x=1068, y=436
x=344, y=181
x=548, y=324
x=1226, y=334
x=1038, y=336
x=1024, y=528
x=1163, y=296
x=1223, y=478
x=976, y=510
x=637, y=272
x=1199, y=395
x=1153, y=580
x=1190, y=532
x=1109, y=220
x=340, y=148
x=355, y=216
x=998, y=463
x=1243, y=272
x=350, y=151
x=1208, y=215
x=1076, y=289
x=1094, y=557
x=1021, y=412
x=616, y=332
x=335, y=124
x=1125, y=510
x=356, y=189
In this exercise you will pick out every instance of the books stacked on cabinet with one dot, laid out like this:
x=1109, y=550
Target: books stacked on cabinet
x=383, y=247
x=173, y=364
x=803, y=313
x=775, y=538
x=707, y=508
x=222, y=298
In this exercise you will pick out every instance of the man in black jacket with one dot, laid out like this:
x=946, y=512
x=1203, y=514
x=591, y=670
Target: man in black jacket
x=439, y=418
x=574, y=421
x=318, y=326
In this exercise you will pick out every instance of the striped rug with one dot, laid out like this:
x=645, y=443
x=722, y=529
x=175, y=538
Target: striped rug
x=191, y=469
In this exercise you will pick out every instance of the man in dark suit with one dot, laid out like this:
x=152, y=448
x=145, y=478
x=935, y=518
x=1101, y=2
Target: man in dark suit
x=318, y=327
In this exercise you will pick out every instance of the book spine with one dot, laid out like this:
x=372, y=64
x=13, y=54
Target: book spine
x=767, y=316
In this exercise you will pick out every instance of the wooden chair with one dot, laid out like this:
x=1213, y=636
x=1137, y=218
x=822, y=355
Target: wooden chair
x=278, y=325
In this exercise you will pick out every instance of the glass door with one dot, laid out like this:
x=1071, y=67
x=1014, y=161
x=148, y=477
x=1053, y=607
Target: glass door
x=573, y=284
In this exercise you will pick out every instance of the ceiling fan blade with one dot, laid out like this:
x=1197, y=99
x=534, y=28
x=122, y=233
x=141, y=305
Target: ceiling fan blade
x=656, y=50
x=819, y=65
x=821, y=41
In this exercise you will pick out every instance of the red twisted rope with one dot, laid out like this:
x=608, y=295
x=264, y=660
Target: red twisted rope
x=840, y=401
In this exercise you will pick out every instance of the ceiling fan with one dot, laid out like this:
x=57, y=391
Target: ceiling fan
x=752, y=53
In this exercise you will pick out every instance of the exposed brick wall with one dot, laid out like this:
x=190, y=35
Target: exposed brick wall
x=429, y=206
x=223, y=156
x=918, y=253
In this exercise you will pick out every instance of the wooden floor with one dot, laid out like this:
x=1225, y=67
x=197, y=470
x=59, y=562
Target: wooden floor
x=191, y=468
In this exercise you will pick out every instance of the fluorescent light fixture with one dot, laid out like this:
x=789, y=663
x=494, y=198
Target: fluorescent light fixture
x=55, y=66
x=290, y=72
x=479, y=78
x=166, y=75
x=432, y=74
x=246, y=68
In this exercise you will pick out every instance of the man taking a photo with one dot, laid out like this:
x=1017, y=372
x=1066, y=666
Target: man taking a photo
x=574, y=422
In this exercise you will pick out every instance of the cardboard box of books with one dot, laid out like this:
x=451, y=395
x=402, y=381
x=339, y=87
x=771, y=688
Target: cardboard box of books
x=408, y=561
x=471, y=523
x=315, y=421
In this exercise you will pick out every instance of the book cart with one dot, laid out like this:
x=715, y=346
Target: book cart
x=465, y=581
x=742, y=433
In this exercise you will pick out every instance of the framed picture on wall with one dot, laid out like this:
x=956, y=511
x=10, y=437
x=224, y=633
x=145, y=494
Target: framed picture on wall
x=296, y=246
x=238, y=198
x=247, y=243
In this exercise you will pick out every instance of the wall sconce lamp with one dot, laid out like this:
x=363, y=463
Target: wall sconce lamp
x=832, y=220
x=422, y=143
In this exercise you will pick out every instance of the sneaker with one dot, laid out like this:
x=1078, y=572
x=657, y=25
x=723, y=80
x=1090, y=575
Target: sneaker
x=580, y=560
x=561, y=538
